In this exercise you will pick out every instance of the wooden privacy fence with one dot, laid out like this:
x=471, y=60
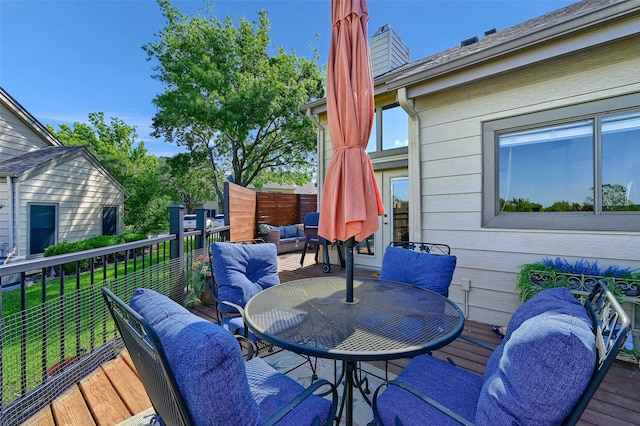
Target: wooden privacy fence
x=247, y=208
x=284, y=209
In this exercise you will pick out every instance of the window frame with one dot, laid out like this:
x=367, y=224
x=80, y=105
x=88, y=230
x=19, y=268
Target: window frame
x=378, y=131
x=596, y=220
x=30, y=223
x=115, y=218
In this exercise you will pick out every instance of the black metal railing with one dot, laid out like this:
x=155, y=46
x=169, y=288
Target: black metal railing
x=54, y=327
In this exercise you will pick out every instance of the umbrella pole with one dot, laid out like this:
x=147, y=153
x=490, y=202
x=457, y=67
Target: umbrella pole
x=349, y=244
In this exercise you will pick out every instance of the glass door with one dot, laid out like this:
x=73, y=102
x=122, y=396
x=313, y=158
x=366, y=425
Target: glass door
x=394, y=225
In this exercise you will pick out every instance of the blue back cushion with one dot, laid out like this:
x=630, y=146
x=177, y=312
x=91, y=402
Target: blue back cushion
x=543, y=365
x=289, y=231
x=430, y=271
x=243, y=270
x=205, y=359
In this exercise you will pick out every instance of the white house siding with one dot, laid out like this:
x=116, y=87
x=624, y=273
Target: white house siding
x=16, y=137
x=4, y=211
x=79, y=212
x=451, y=173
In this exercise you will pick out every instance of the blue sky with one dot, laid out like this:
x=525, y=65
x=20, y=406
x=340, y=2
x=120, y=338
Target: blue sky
x=62, y=60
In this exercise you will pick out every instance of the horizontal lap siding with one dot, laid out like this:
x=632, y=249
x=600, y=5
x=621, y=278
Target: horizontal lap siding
x=451, y=173
x=80, y=191
x=15, y=137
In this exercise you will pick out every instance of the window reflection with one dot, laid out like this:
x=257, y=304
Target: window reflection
x=548, y=169
x=621, y=163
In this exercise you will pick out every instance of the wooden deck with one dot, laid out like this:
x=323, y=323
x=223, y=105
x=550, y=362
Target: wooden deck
x=114, y=393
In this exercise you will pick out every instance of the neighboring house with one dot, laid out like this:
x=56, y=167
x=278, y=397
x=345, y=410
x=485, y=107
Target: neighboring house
x=49, y=192
x=546, y=111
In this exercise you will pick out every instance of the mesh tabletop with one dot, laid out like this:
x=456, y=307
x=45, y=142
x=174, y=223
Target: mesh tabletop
x=390, y=320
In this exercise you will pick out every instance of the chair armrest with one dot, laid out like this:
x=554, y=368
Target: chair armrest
x=435, y=404
x=304, y=395
x=248, y=344
x=273, y=237
x=477, y=342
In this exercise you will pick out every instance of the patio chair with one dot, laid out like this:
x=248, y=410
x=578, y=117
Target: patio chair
x=550, y=363
x=426, y=265
x=194, y=373
x=240, y=269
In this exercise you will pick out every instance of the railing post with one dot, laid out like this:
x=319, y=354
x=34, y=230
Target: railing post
x=201, y=225
x=176, y=217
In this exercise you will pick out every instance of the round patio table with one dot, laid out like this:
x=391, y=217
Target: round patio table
x=388, y=320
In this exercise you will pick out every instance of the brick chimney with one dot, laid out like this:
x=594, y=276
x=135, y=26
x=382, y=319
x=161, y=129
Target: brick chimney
x=387, y=51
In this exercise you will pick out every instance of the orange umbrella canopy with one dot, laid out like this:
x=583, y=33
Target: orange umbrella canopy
x=351, y=201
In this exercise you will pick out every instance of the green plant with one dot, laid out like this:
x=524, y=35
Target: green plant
x=197, y=277
x=581, y=275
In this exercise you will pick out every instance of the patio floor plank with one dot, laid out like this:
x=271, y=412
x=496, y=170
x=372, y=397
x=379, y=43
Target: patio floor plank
x=127, y=385
x=104, y=402
x=43, y=418
x=617, y=401
x=72, y=409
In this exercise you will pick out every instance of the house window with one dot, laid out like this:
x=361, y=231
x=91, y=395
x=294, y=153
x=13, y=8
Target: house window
x=390, y=130
x=109, y=221
x=42, y=227
x=579, y=170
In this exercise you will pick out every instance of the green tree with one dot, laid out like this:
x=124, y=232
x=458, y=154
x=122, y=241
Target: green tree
x=225, y=93
x=614, y=197
x=116, y=147
x=190, y=176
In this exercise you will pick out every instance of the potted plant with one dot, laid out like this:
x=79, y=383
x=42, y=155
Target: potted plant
x=198, y=276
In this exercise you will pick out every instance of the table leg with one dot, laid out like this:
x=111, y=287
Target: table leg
x=348, y=391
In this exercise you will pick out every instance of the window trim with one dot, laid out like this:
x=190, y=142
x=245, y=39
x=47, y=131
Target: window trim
x=377, y=130
x=114, y=208
x=592, y=221
x=56, y=211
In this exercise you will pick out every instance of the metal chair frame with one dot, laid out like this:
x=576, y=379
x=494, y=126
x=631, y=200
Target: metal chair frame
x=150, y=361
x=611, y=326
x=423, y=247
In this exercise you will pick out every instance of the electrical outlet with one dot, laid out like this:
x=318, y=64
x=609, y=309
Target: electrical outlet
x=466, y=284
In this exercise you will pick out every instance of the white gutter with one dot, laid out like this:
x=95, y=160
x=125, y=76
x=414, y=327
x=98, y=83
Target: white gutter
x=320, y=142
x=11, y=208
x=415, y=177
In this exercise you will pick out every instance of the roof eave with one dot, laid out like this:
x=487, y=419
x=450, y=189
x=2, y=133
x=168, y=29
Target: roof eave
x=14, y=106
x=588, y=22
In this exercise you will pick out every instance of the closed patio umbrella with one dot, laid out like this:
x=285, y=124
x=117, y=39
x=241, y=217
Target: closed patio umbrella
x=351, y=201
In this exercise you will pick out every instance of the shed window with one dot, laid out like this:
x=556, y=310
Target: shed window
x=109, y=220
x=580, y=172
x=42, y=227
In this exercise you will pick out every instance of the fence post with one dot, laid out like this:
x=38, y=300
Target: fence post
x=176, y=217
x=201, y=225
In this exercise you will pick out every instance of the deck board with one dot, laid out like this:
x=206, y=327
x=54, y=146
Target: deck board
x=616, y=402
x=71, y=409
x=127, y=385
x=104, y=402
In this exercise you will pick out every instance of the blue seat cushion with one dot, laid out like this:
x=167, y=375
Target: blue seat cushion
x=454, y=387
x=273, y=390
x=430, y=271
x=243, y=270
x=544, y=365
x=205, y=359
